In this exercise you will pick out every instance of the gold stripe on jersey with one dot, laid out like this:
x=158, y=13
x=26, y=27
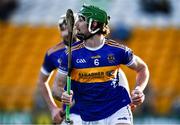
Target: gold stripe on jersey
x=76, y=47
x=115, y=44
x=95, y=74
x=81, y=45
x=55, y=48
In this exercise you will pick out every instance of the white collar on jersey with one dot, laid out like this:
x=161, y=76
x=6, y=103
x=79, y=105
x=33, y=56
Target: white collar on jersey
x=96, y=48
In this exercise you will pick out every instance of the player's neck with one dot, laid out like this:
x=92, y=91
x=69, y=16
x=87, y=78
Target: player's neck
x=94, y=42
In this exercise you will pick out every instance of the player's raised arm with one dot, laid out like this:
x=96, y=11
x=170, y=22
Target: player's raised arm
x=142, y=78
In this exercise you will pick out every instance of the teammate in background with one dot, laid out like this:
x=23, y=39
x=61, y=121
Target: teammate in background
x=101, y=96
x=51, y=63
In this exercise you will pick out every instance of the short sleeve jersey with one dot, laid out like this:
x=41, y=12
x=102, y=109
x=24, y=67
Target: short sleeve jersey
x=98, y=90
x=51, y=63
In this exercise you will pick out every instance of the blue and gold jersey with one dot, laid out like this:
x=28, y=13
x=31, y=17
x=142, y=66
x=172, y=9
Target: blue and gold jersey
x=51, y=63
x=98, y=89
x=51, y=59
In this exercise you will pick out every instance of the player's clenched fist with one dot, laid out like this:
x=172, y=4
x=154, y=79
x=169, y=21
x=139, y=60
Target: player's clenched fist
x=66, y=98
x=137, y=96
x=57, y=115
x=133, y=107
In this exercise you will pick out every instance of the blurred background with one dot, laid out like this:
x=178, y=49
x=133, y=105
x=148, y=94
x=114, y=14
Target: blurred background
x=29, y=27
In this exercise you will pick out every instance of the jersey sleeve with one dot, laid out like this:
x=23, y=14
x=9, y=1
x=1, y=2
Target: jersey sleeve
x=63, y=66
x=128, y=58
x=47, y=66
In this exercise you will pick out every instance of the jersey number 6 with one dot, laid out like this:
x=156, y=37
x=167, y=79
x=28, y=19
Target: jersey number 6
x=96, y=62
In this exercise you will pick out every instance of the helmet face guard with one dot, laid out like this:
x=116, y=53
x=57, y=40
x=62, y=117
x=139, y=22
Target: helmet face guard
x=62, y=23
x=91, y=14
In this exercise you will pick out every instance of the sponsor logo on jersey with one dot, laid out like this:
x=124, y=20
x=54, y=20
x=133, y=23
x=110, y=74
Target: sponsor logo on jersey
x=91, y=75
x=80, y=61
x=95, y=57
x=110, y=73
x=95, y=74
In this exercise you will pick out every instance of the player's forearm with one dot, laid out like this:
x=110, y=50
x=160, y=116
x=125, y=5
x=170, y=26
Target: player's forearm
x=57, y=93
x=142, y=76
x=47, y=95
x=58, y=86
x=142, y=71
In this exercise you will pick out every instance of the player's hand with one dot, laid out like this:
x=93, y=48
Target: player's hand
x=57, y=115
x=133, y=107
x=66, y=98
x=137, y=96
